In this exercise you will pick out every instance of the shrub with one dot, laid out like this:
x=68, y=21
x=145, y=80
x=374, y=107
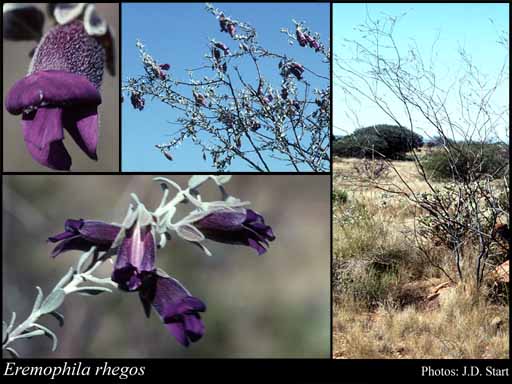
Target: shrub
x=469, y=161
x=389, y=141
x=339, y=196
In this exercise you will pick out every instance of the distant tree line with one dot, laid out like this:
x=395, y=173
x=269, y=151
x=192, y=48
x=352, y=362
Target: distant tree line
x=392, y=142
x=378, y=141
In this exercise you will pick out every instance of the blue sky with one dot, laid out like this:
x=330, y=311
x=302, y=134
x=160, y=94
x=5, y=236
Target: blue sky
x=178, y=34
x=459, y=25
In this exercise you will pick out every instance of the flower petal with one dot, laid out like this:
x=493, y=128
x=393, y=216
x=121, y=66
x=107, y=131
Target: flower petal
x=51, y=88
x=76, y=243
x=82, y=124
x=43, y=136
x=43, y=126
x=99, y=232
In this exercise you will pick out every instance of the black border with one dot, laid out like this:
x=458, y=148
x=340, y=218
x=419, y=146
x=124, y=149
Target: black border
x=326, y=370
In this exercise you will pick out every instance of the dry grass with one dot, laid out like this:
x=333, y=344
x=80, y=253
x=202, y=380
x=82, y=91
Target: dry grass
x=383, y=286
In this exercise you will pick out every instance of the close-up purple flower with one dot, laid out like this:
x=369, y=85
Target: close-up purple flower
x=244, y=227
x=81, y=235
x=178, y=309
x=60, y=91
x=135, y=257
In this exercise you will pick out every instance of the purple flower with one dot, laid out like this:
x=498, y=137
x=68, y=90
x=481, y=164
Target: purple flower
x=135, y=257
x=300, y=37
x=137, y=101
x=312, y=42
x=177, y=308
x=200, y=99
x=296, y=69
x=226, y=25
x=231, y=29
x=222, y=46
x=216, y=54
x=244, y=227
x=81, y=235
x=159, y=70
x=60, y=91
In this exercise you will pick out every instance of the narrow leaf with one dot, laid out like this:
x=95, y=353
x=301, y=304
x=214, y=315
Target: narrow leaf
x=91, y=291
x=39, y=299
x=13, y=352
x=84, y=258
x=29, y=334
x=58, y=316
x=53, y=301
x=196, y=180
x=189, y=233
x=11, y=323
x=222, y=179
x=48, y=334
x=66, y=278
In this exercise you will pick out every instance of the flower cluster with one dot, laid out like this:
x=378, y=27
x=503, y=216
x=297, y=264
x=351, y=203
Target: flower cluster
x=135, y=242
x=61, y=90
x=227, y=25
x=137, y=100
x=304, y=38
x=290, y=67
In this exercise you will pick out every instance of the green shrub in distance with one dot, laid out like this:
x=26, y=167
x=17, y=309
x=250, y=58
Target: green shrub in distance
x=469, y=162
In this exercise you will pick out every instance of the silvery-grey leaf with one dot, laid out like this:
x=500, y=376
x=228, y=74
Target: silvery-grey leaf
x=66, y=12
x=196, y=180
x=189, y=232
x=94, y=24
x=11, y=323
x=58, y=316
x=203, y=248
x=29, y=334
x=48, y=334
x=222, y=179
x=84, y=258
x=39, y=299
x=53, y=301
x=66, y=279
x=169, y=182
x=91, y=291
x=13, y=352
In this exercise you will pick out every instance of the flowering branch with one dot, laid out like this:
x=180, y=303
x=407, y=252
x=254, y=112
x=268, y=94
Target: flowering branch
x=252, y=121
x=71, y=282
x=135, y=242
